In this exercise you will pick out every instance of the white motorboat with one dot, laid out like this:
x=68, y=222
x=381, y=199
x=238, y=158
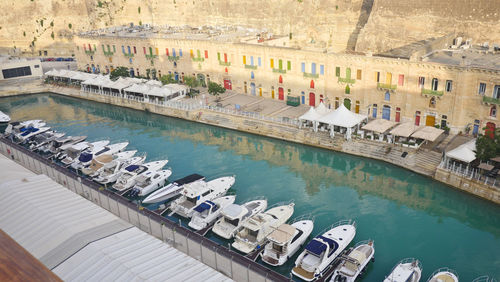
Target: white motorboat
x=73, y=152
x=86, y=157
x=352, y=265
x=197, y=192
x=43, y=139
x=110, y=172
x=208, y=212
x=54, y=146
x=254, y=233
x=485, y=278
x=4, y=118
x=30, y=132
x=150, y=181
x=407, y=270
x=16, y=128
x=101, y=160
x=285, y=241
x=321, y=251
x=171, y=190
x=443, y=275
x=131, y=173
x=234, y=216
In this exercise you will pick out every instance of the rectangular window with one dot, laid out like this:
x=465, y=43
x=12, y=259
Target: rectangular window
x=128, y=49
x=37, y=66
x=135, y=50
x=337, y=71
x=259, y=61
x=114, y=49
x=388, y=78
x=166, y=52
x=289, y=65
x=156, y=51
x=272, y=63
x=303, y=67
x=123, y=49
x=280, y=64
x=377, y=76
x=313, y=68
x=225, y=57
x=482, y=88
x=401, y=80
x=206, y=54
x=16, y=72
x=95, y=47
x=251, y=60
x=449, y=85
x=421, y=81
x=244, y=60
x=434, y=84
x=103, y=49
x=496, y=92
x=198, y=54
x=173, y=52
x=191, y=54
x=322, y=69
x=144, y=49
x=358, y=74
x=218, y=56
x=180, y=52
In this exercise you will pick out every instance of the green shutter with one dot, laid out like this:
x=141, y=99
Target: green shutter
x=337, y=71
x=218, y=56
x=289, y=65
x=348, y=73
x=280, y=64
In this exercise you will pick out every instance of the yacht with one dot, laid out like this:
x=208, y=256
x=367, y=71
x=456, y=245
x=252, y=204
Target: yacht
x=321, y=251
x=352, y=265
x=285, y=241
x=72, y=153
x=54, y=146
x=197, y=192
x=16, y=128
x=150, y=181
x=234, y=216
x=110, y=172
x=208, y=212
x=4, y=118
x=100, y=161
x=443, y=275
x=171, y=190
x=43, y=139
x=30, y=132
x=86, y=157
x=254, y=232
x=131, y=173
x=407, y=270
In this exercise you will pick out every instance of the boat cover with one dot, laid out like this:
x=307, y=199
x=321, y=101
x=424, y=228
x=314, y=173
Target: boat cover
x=29, y=130
x=85, y=157
x=103, y=150
x=188, y=179
x=317, y=247
x=204, y=206
x=131, y=168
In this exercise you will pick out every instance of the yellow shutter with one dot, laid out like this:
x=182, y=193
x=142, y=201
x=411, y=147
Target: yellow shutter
x=191, y=53
x=244, y=60
x=388, y=78
x=272, y=63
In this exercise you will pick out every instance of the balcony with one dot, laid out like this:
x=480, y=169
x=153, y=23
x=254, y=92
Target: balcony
x=386, y=86
x=108, y=53
x=89, y=52
x=311, y=75
x=346, y=80
x=279, y=71
x=491, y=100
x=222, y=63
x=151, y=56
x=199, y=59
x=131, y=55
x=250, y=67
x=432, y=92
x=173, y=58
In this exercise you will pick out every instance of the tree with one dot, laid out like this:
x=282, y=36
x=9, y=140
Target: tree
x=215, y=89
x=191, y=81
x=119, y=72
x=488, y=146
x=167, y=79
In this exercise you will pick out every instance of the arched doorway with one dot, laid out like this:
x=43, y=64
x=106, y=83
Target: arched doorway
x=201, y=79
x=281, y=93
x=417, y=118
x=260, y=91
x=312, y=99
x=490, y=129
x=386, y=112
x=252, y=88
x=347, y=103
x=227, y=84
x=245, y=87
x=374, y=111
x=176, y=76
x=131, y=71
x=303, y=97
x=430, y=120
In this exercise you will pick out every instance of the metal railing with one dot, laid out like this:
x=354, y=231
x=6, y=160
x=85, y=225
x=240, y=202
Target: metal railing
x=491, y=100
x=311, y=75
x=470, y=173
x=432, y=92
x=387, y=86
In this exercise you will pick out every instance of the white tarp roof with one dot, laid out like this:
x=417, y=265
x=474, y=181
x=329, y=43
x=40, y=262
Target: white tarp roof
x=176, y=87
x=52, y=72
x=428, y=133
x=310, y=115
x=322, y=110
x=153, y=83
x=342, y=117
x=379, y=125
x=159, y=91
x=404, y=129
x=464, y=152
x=137, y=88
x=97, y=81
x=119, y=84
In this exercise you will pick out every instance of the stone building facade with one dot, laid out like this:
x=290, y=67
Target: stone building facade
x=461, y=92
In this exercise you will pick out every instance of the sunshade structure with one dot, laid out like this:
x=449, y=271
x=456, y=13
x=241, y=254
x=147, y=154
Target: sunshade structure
x=342, y=117
x=464, y=153
x=428, y=133
x=379, y=125
x=310, y=116
x=116, y=87
x=404, y=129
x=95, y=84
x=322, y=110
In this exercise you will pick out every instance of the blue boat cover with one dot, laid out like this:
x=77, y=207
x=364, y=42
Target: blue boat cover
x=102, y=151
x=331, y=243
x=131, y=167
x=316, y=247
x=29, y=130
x=204, y=206
x=85, y=157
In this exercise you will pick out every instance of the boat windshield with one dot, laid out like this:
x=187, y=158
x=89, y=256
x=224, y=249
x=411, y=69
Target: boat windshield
x=233, y=222
x=278, y=248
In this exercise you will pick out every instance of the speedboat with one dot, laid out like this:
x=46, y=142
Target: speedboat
x=254, y=232
x=16, y=128
x=131, y=174
x=352, y=265
x=150, y=181
x=485, y=278
x=197, y=192
x=322, y=251
x=444, y=275
x=30, y=132
x=73, y=152
x=234, y=216
x=208, y=212
x=407, y=270
x=43, y=139
x=101, y=160
x=171, y=190
x=86, y=157
x=285, y=241
x=4, y=118
x=54, y=146
x=110, y=172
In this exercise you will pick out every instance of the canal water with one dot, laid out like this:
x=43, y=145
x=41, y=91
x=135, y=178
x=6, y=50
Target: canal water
x=407, y=215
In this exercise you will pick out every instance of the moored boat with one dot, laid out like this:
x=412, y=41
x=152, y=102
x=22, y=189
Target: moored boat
x=55, y=146
x=86, y=157
x=443, y=274
x=110, y=172
x=208, y=212
x=131, y=173
x=407, y=270
x=171, y=190
x=73, y=152
x=354, y=263
x=4, y=118
x=100, y=161
x=150, y=181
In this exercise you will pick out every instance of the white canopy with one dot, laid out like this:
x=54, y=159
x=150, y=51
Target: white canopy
x=342, y=117
x=153, y=83
x=52, y=72
x=137, y=88
x=177, y=88
x=428, y=133
x=310, y=115
x=322, y=110
x=98, y=81
x=119, y=84
x=379, y=125
x=464, y=152
x=158, y=91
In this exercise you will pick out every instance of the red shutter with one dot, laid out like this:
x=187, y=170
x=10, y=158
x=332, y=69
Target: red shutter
x=166, y=50
x=401, y=80
x=225, y=57
x=135, y=50
x=144, y=49
x=206, y=54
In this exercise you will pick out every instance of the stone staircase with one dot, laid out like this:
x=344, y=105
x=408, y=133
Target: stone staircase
x=426, y=162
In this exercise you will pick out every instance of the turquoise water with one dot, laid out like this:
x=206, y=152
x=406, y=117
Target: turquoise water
x=407, y=215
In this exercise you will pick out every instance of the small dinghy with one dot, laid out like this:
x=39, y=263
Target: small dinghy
x=171, y=190
x=407, y=270
x=353, y=264
x=208, y=212
x=149, y=181
x=444, y=275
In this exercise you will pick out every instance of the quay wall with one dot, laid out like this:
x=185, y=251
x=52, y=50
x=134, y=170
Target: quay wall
x=232, y=264
x=421, y=161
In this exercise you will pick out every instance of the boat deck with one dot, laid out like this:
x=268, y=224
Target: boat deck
x=303, y=273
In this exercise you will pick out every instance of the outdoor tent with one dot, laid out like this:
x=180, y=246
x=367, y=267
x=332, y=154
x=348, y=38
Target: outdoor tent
x=311, y=116
x=322, y=110
x=404, y=129
x=342, y=117
x=379, y=125
x=464, y=153
x=429, y=133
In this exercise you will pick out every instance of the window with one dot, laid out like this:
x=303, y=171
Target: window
x=198, y=54
x=311, y=85
x=156, y=51
x=135, y=50
x=421, y=81
x=449, y=85
x=180, y=52
x=144, y=49
x=206, y=54
x=225, y=57
x=114, y=49
x=387, y=96
x=16, y=72
x=259, y=61
x=251, y=60
x=443, y=121
x=252, y=75
x=123, y=49
x=482, y=88
x=337, y=71
x=272, y=63
x=218, y=56
x=191, y=54
x=388, y=78
x=374, y=111
x=401, y=80
x=358, y=75
x=130, y=61
x=166, y=52
x=322, y=69
x=280, y=64
x=128, y=49
x=377, y=76
x=37, y=66
x=493, y=111
x=303, y=67
x=348, y=73
x=151, y=50
x=173, y=52
x=313, y=68
x=435, y=84
x=496, y=92
x=289, y=65
x=244, y=60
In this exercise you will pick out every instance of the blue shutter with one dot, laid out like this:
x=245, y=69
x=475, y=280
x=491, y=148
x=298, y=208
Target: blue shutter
x=173, y=52
x=251, y=60
x=260, y=63
x=180, y=52
x=321, y=69
x=303, y=67
x=123, y=49
x=313, y=68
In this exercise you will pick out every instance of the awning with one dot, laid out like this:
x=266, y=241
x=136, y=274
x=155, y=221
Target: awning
x=322, y=110
x=485, y=166
x=310, y=115
x=342, y=117
x=282, y=234
x=429, y=133
x=404, y=129
x=496, y=159
x=464, y=152
x=379, y=125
